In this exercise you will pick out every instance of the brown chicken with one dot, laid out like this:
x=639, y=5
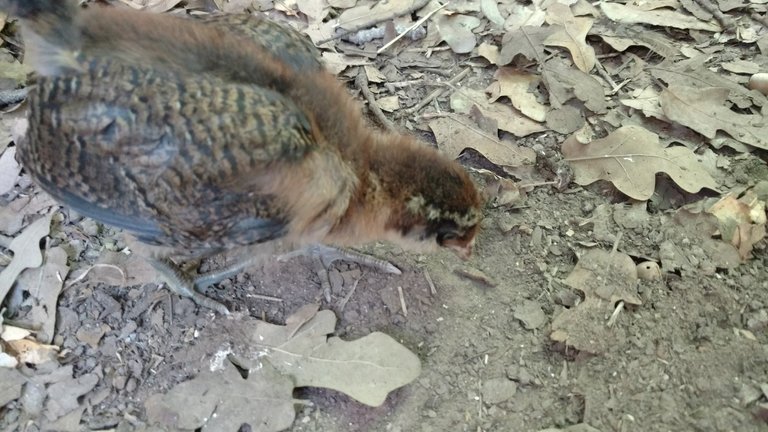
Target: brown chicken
x=208, y=135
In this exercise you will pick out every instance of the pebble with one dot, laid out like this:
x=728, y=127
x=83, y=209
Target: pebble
x=497, y=390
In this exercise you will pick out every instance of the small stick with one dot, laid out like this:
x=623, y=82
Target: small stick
x=438, y=92
x=432, y=289
x=607, y=77
x=416, y=6
x=88, y=270
x=361, y=82
x=615, y=314
x=415, y=25
x=402, y=301
x=343, y=302
x=266, y=297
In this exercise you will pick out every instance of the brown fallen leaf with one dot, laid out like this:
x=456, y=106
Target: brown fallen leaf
x=527, y=41
x=647, y=101
x=9, y=170
x=456, y=31
x=506, y=118
x=693, y=73
x=529, y=14
x=44, y=296
x=565, y=82
x=741, y=67
x=742, y=221
x=519, y=87
x=223, y=400
x=705, y=110
x=365, y=12
x=26, y=253
x=605, y=278
x=366, y=369
x=456, y=133
x=657, y=43
x=690, y=244
x=490, y=9
x=630, y=157
x=32, y=351
x=571, y=34
x=489, y=51
x=627, y=14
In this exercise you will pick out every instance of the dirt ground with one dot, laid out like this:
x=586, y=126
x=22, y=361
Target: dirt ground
x=678, y=362
x=691, y=356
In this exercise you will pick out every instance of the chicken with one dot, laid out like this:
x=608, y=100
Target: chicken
x=204, y=136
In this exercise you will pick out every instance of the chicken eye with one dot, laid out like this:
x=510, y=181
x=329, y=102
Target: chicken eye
x=450, y=235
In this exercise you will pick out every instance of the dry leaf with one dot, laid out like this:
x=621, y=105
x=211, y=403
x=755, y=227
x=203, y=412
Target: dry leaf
x=663, y=18
x=12, y=216
x=363, y=13
x=692, y=73
x=342, y=4
x=647, y=101
x=630, y=157
x=524, y=14
x=519, y=87
x=566, y=119
x=491, y=11
x=235, y=6
x=571, y=34
x=564, y=83
x=705, y=111
x=11, y=383
x=741, y=67
x=626, y=38
x=46, y=294
x=456, y=133
x=7, y=361
x=316, y=10
x=456, y=31
x=336, y=62
x=9, y=170
x=489, y=51
x=26, y=253
x=527, y=41
x=742, y=221
x=366, y=369
x=222, y=400
x=11, y=333
x=32, y=352
x=506, y=117
x=689, y=245
x=605, y=278
x=65, y=396
x=374, y=75
x=389, y=103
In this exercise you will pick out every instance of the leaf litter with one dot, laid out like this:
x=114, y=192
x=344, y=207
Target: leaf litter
x=630, y=158
x=277, y=359
x=657, y=75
